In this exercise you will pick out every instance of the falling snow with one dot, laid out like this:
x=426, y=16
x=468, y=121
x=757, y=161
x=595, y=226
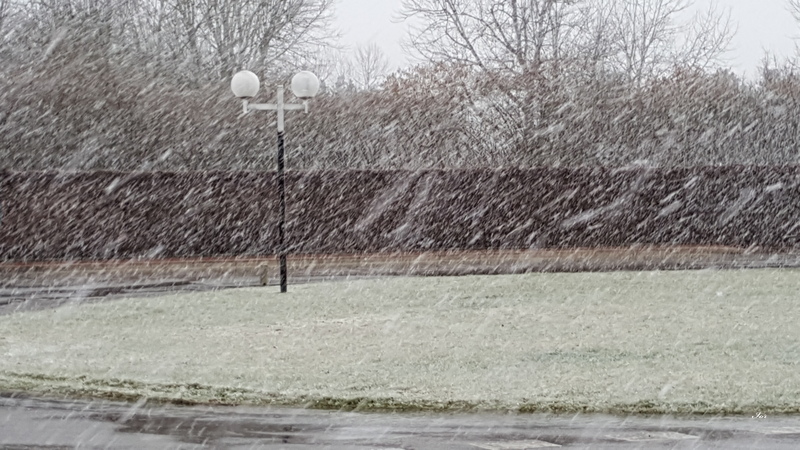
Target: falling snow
x=528, y=137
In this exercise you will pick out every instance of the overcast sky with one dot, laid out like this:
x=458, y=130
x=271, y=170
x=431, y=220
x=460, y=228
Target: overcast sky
x=762, y=25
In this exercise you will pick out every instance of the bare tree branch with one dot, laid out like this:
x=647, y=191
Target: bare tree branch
x=794, y=8
x=707, y=38
x=371, y=66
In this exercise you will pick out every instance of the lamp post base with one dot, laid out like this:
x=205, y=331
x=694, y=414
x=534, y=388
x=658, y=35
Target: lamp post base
x=284, y=277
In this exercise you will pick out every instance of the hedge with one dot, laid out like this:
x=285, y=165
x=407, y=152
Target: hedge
x=115, y=215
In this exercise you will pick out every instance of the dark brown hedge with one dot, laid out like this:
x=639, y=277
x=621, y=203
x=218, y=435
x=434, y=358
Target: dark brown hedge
x=105, y=215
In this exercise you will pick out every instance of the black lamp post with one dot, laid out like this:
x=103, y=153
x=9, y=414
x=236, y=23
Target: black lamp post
x=305, y=85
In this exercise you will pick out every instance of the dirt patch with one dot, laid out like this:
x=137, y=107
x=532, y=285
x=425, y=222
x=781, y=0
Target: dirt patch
x=305, y=268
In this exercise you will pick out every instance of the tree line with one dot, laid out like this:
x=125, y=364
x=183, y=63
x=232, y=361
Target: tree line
x=143, y=85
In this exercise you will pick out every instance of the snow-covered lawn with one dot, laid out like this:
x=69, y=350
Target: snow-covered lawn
x=703, y=342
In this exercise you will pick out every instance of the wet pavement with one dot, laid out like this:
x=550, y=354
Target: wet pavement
x=31, y=423
x=37, y=297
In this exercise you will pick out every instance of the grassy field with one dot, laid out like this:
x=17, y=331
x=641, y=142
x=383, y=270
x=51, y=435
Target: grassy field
x=704, y=342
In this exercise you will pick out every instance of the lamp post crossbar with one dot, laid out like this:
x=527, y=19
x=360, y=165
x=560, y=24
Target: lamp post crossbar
x=273, y=107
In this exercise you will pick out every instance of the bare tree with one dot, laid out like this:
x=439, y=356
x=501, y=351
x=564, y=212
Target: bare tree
x=597, y=35
x=516, y=49
x=651, y=40
x=331, y=64
x=641, y=38
x=515, y=35
x=370, y=66
x=646, y=29
x=340, y=71
x=198, y=36
x=707, y=38
x=794, y=9
x=225, y=35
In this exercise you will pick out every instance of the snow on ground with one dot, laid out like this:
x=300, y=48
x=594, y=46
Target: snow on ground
x=678, y=342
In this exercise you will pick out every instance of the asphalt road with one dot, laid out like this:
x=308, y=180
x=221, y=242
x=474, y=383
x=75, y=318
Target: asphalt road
x=30, y=423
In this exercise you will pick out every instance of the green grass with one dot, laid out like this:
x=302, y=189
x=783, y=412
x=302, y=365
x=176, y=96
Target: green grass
x=704, y=342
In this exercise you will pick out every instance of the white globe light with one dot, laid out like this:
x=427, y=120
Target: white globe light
x=305, y=85
x=245, y=84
